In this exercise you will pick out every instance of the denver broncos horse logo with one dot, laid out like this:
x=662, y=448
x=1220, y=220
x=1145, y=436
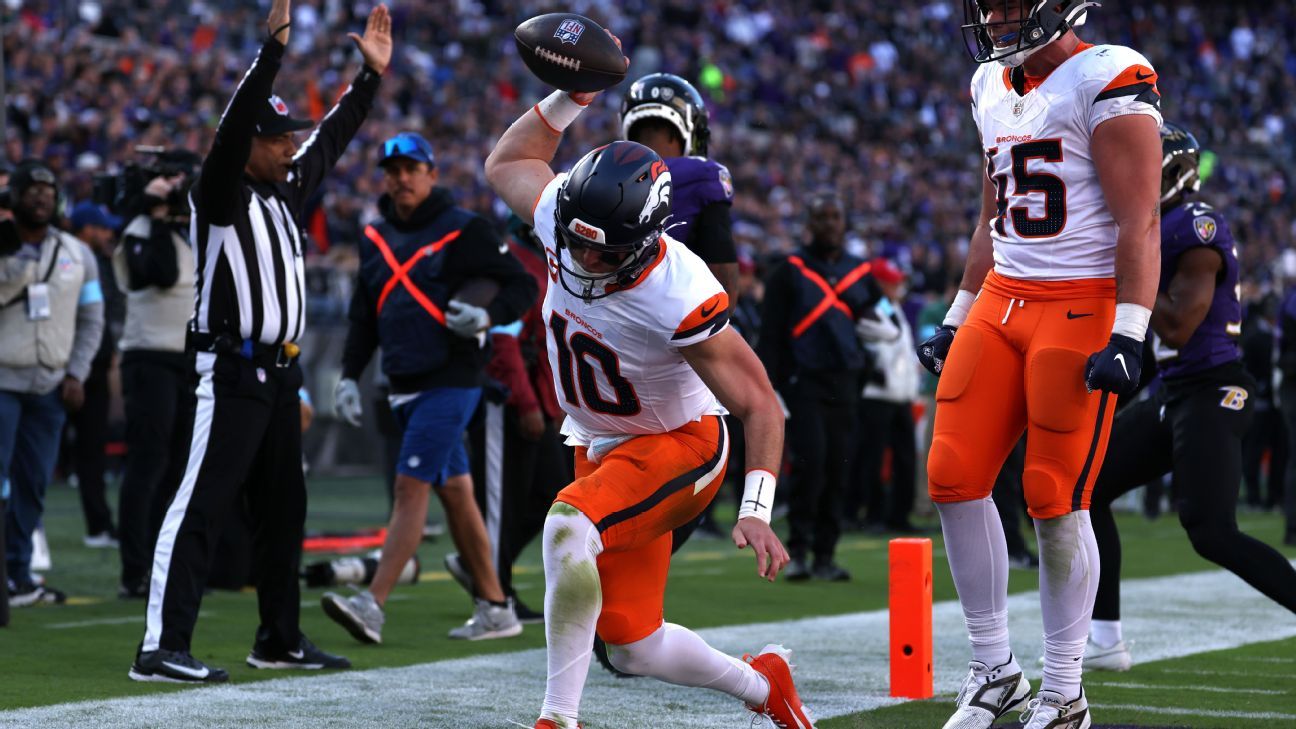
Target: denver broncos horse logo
x=659, y=194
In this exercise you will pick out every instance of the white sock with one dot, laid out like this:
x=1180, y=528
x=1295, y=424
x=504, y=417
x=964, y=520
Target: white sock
x=677, y=655
x=1068, y=586
x=978, y=559
x=1105, y=633
x=573, y=600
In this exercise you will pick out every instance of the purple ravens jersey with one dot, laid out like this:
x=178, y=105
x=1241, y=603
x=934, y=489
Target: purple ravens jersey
x=1215, y=341
x=696, y=182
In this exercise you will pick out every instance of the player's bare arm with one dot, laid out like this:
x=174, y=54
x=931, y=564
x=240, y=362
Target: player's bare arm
x=279, y=20
x=1127, y=155
x=731, y=370
x=1184, y=305
x=980, y=257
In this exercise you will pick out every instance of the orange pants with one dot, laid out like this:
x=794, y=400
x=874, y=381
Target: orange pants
x=1017, y=364
x=638, y=494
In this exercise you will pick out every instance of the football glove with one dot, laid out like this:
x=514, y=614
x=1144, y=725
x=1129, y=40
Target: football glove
x=933, y=351
x=467, y=320
x=346, y=401
x=1116, y=368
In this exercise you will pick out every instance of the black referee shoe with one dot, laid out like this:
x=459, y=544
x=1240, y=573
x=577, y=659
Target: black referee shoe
x=307, y=656
x=174, y=667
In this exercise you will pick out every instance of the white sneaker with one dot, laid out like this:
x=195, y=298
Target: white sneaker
x=102, y=540
x=1050, y=710
x=40, y=554
x=489, y=621
x=989, y=693
x=1112, y=658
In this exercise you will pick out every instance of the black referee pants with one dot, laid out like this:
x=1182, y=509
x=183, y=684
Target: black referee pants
x=516, y=481
x=245, y=440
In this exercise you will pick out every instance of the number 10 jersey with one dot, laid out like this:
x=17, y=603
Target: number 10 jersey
x=1052, y=221
x=616, y=362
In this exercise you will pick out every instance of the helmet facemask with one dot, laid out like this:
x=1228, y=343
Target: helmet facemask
x=630, y=259
x=1181, y=158
x=1011, y=41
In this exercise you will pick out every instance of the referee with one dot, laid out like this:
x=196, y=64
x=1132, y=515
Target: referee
x=246, y=420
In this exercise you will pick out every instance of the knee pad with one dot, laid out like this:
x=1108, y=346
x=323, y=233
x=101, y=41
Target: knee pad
x=634, y=658
x=1042, y=491
x=945, y=468
x=1056, y=398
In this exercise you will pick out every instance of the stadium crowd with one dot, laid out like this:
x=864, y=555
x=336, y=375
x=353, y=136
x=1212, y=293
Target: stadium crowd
x=879, y=107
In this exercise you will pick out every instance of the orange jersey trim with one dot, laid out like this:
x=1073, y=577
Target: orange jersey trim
x=709, y=312
x=1134, y=79
x=1080, y=288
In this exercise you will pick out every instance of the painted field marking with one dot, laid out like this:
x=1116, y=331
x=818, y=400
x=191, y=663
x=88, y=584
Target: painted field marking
x=1220, y=714
x=841, y=660
x=1206, y=689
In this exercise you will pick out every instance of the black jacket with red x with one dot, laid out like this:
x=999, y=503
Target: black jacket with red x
x=809, y=313
x=409, y=271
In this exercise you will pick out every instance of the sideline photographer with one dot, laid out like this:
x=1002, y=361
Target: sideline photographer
x=154, y=266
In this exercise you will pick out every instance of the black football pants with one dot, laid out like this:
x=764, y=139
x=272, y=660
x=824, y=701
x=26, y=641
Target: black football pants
x=820, y=435
x=1193, y=430
x=244, y=419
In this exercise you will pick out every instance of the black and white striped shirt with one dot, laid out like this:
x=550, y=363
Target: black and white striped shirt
x=248, y=241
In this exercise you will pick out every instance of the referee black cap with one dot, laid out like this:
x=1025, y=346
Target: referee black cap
x=273, y=119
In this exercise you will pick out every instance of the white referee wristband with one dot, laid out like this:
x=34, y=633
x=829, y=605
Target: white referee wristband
x=958, y=311
x=558, y=110
x=1132, y=321
x=758, y=495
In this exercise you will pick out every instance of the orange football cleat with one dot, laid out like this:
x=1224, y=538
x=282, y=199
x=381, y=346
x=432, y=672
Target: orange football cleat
x=549, y=724
x=782, y=706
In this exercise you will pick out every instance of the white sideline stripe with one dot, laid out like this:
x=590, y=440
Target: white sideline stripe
x=1207, y=689
x=841, y=669
x=1198, y=712
x=1206, y=672
x=116, y=621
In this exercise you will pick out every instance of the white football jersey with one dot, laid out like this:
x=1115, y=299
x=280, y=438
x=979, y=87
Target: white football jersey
x=1053, y=222
x=616, y=363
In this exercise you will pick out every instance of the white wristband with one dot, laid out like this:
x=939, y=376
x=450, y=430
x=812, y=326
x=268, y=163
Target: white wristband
x=758, y=495
x=558, y=110
x=1131, y=321
x=958, y=311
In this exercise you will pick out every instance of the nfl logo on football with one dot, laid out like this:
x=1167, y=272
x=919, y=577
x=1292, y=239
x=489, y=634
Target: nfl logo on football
x=569, y=31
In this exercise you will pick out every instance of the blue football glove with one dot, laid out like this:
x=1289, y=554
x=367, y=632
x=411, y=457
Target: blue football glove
x=1116, y=368
x=935, y=349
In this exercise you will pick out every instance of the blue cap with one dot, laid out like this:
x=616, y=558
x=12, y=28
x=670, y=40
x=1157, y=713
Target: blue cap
x=87, y=213
x=408, y=144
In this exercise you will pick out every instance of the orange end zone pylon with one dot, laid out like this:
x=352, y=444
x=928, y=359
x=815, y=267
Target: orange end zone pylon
x=911, y=618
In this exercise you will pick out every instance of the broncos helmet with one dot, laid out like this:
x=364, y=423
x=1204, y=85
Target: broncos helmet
x=1180, y=158
x=1010, y=42
x=615, y=200
x=671, y=98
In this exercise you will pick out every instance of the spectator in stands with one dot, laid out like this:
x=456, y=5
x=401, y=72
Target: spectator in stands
x=417, y=257
x=51, y=321
x=814, y=357
x=886, y=418
x=154, y=266
x=97, y=228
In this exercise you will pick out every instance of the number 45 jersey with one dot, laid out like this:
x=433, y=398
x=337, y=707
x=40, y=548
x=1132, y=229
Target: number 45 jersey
x=616, y=360
x=1052, y=221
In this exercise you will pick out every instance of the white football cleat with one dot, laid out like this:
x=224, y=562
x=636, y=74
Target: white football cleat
x=1112, y=658
x=1050, y=710
x=989, y=693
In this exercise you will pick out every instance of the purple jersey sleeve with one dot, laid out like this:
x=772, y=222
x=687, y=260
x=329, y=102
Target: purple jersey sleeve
x=1215, y=340
x=696, y=182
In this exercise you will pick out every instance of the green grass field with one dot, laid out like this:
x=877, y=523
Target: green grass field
x=81, y=651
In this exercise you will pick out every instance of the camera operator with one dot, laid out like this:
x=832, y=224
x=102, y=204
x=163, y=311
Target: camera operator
x=154, y=266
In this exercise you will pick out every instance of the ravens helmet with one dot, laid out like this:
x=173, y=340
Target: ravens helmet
x=1180, y=158
x=1025, y=26
x=616, y=201
x=668, y=97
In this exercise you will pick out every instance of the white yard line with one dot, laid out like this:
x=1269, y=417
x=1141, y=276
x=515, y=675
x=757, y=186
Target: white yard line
x=1206, y=689
x=842, y=669
x=1221, y=714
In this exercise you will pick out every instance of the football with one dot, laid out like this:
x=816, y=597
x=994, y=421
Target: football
x=570, y=52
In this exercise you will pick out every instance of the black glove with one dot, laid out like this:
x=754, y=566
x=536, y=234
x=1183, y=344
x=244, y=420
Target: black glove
x=933, y=351
x=1116, y=368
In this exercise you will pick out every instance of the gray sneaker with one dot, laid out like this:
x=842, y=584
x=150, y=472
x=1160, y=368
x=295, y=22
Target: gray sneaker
x=489, y=621
x=359, y=614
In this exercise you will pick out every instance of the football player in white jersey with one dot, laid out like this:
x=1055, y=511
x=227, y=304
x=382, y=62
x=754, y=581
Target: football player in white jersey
x=645, y=364
x=1046, y=330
